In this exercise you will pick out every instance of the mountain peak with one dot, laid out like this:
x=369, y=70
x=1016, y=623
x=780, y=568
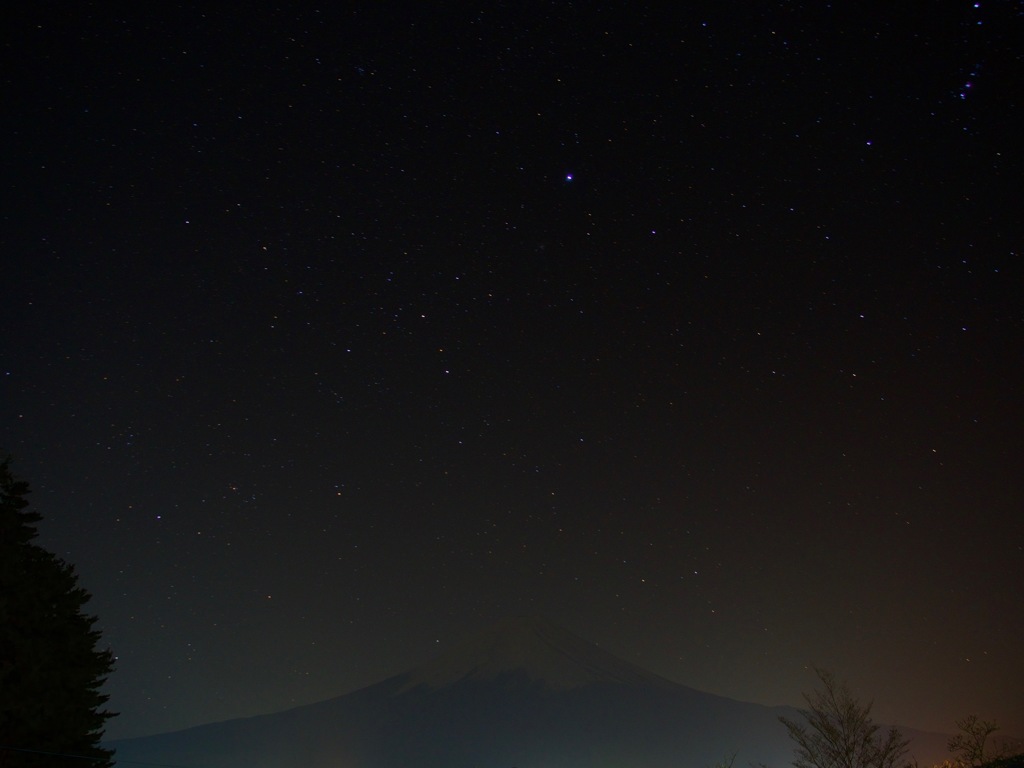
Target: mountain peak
x=532, y=646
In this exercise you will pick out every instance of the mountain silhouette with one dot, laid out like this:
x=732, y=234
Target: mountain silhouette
x=533, y=648
x=521, y=693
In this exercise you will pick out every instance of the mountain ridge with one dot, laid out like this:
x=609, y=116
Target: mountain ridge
x=535, y=647
x=522, y=692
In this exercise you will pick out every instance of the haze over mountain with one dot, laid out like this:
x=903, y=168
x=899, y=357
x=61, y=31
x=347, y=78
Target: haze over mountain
x=523, y=692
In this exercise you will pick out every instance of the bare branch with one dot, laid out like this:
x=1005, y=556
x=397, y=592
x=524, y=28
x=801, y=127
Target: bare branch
x=839, y=732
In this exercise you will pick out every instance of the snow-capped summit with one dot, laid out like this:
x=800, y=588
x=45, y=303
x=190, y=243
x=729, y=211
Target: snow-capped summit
x=533, y=647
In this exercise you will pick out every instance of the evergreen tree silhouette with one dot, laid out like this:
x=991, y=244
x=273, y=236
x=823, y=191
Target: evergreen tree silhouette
x=50, y=668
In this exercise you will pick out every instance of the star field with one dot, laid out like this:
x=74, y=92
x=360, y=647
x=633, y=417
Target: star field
x=332, y=335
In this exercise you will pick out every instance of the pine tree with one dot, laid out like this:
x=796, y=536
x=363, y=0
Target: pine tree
x=51, y=671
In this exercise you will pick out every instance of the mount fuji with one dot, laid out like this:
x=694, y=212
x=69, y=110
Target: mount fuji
x=523, y=693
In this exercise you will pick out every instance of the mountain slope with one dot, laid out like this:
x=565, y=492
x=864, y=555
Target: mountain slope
x=522, y=693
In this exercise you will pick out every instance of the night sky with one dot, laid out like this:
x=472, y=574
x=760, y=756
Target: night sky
x=330, y=335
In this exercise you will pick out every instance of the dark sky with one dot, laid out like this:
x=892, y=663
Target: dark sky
x=332, y=335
